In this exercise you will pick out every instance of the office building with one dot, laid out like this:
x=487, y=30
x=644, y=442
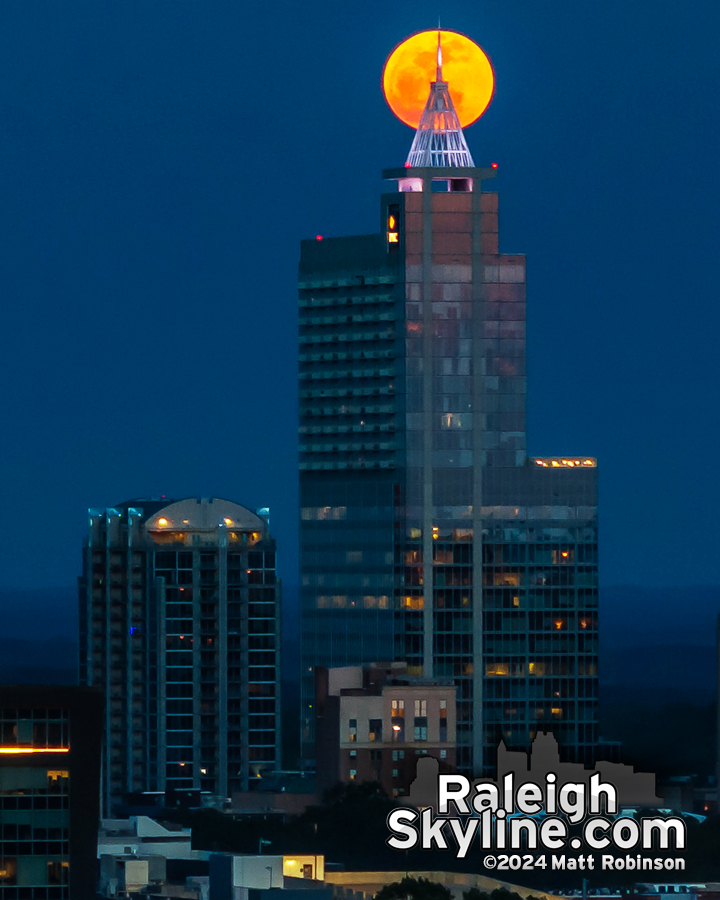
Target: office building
x=374, y=722
x=50, y=741
x=428, y=534
x=180, y=627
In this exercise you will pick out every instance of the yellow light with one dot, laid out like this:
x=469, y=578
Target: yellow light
x=203, y=771
x=391, y=223
x=396, y=728
x=291, y=862
x=228, y=521
x=162, y=522
x=412, y=66
x=13, y=750
x=392, y=237
x=559, y=624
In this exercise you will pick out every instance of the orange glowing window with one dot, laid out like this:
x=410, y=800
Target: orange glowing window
x=494, y=670
x=414, y=603
x=392, y=221
x=162, y=522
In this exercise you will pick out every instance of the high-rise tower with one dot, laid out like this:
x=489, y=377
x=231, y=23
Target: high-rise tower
x=428, y=535
x=180, y=627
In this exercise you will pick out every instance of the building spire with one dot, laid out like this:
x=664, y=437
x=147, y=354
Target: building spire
x=438, y=71
x=439, y=139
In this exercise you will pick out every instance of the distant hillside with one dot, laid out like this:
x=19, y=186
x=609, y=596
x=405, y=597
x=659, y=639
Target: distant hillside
x=39, y=614
x=657, y=666
x=637, y=617
x=28, y=661
x=650, y=639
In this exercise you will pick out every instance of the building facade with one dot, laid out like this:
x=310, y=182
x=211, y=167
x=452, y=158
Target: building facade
x=180, y=627
x=428, y=534
x=50, y=740
x=374, y=722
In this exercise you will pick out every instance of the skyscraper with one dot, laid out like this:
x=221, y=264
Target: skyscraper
x=428, y=535
x=180, y=626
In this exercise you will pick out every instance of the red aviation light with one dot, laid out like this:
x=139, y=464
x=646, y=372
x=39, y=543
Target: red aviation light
x=493, y=165
x=318, y=237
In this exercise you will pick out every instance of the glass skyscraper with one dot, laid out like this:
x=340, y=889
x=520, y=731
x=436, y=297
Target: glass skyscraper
x=428, y=534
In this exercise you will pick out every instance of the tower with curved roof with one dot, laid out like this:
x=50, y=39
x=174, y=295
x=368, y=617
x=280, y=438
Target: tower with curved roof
x=180, y=626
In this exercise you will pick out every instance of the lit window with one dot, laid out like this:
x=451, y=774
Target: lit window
x=352, y=726
x=494, y=670
x=353, y=774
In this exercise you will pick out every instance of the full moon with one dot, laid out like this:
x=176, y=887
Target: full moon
x=411, y=67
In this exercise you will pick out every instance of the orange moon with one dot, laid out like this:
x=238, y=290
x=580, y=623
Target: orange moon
x=411, y=67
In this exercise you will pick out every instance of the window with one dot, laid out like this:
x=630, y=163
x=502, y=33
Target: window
x=395, y=773
x=397, y=722
x=375, y=729
x=420, y=728
x=443, y=754
x=353, y=754
x=421, y=707
x=353, y=774
x=443, y=720
x=352, y=727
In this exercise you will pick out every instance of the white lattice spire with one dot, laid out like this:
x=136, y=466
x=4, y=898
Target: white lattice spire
x=439, y=139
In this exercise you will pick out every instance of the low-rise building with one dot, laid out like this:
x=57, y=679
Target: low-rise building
x=373, y=722
x=143, y=836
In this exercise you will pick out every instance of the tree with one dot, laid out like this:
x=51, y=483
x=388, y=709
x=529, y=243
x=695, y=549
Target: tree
x=414, y=889
x=474, y=893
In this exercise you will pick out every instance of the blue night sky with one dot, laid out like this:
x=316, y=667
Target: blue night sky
x=160, y=162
